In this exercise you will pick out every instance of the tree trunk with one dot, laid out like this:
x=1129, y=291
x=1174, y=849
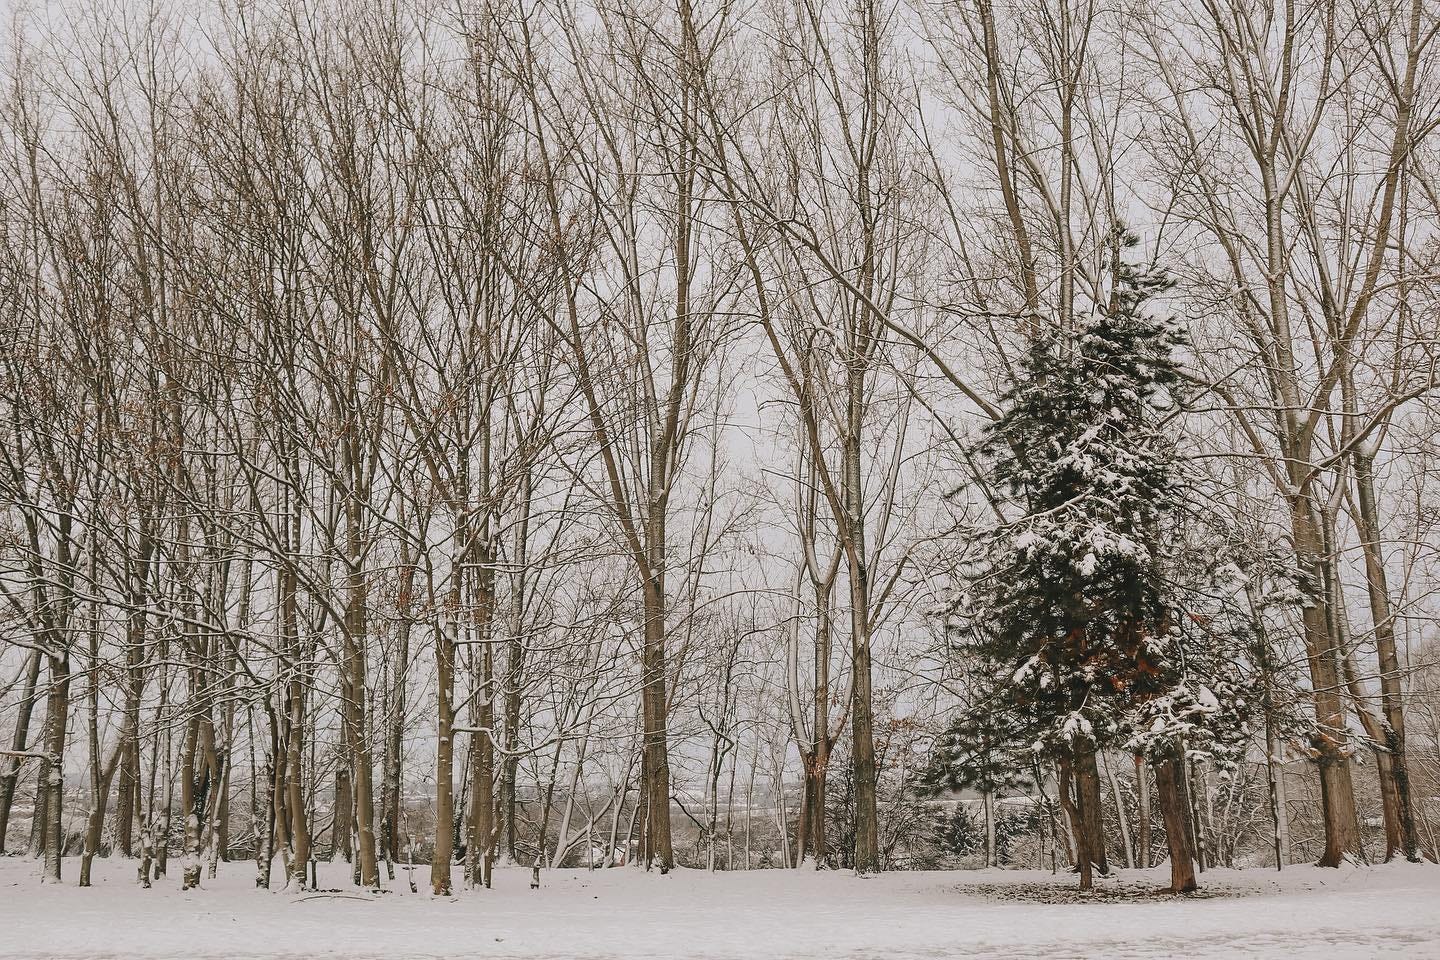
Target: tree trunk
x=162, y=816
x=200, y=783
x=478, y=856
x=340, y=811
x=192, y=801
x=444, y=756
x=261, y=815
x=1197, y=829
x=653, y=708
x=1279, y=803
x=221, y=849
x=359, y=757
x=1337, y=791
x=127, y=798
x=802, y=825
x=11, y=777
x=392, y=781
x=862, y=735
x=1175, y=811
x=39, y=822
x=1274, y=767
x=1391, y=692
x=1072, y=802
x=991, y=856
x=1088, y=799
x=817, y=776
x=1121, y=815
x=1142, y=789
x=95, y=823
x=514, y=674
x=299, y=828
x=56, y=718
x=127, y=801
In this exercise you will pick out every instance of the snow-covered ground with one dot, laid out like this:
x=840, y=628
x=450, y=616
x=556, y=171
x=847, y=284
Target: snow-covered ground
x=1388, y=911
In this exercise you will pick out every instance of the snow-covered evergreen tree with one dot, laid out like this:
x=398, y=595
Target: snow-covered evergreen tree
x=1069, y=613
x=976, y=752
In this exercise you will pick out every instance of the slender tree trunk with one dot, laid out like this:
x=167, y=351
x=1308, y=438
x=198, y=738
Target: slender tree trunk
x=1142, y=789
x=862, y=736
x=299, y=828
x=11, y=777
x=988, y=802
x=392, y=783
x=653, y=708
x=57, y=713
x=782, y=814
x=1391, y=691
x=200, y=771
x=355, y=637
x=482, y=790
x=1197, y=828
x=818, y=775
x=163, y=815
x=1121, y=815
x=514, y=674
x=191, y=799
x=99, y=801
x=1279, y=802
x=39, y=822
x=127, y=801
x=444, y=755
x=261, y=813
x=221, y=850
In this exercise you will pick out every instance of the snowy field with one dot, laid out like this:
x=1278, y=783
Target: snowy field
x=1388, y=911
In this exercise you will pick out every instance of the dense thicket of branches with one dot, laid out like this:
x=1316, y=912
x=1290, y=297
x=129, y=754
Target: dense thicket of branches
x=552, y=432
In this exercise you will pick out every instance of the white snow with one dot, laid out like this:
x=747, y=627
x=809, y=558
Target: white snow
x=1353, y=912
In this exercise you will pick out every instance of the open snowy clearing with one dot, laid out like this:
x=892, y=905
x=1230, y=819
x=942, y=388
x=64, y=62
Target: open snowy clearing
x=1306, y=912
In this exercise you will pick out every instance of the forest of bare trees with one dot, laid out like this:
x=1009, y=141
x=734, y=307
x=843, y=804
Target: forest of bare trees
x=480, y=433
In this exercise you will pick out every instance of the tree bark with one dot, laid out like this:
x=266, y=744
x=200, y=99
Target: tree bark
x=11, y=777
x=341, y=808
x=1142, y=785
x=1072, y=803
x=299, y=828
x=514, y=675
x=1088, y=800
x=1391, y=692
x=991, y=855
x=1175, y=811
x=127, y=801
x=102, y=777
x=1121, y=815
x=444, y=756
x=653, y=707
x=355, y=636
x=478, y=854
x=1337, y=791
x=392, y=781
x=57, y=713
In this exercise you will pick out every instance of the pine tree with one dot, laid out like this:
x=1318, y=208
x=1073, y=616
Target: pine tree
x=1069, y=614
x=976, y=753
